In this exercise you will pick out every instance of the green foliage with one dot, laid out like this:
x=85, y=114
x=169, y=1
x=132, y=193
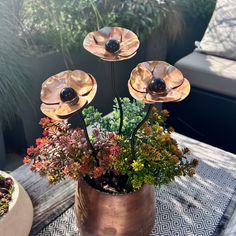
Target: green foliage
x=133, y=114
x=56, y=24
x=158, y=159
x=14, y=85
x=6, y=191
x=63, y=24
x=144, y=16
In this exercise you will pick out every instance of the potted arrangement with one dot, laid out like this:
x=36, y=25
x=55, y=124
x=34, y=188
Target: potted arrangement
x=15, y=207
x=126, y=154
x=6, y=190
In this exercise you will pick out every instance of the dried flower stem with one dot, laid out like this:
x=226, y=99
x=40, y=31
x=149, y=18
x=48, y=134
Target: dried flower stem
x=113, y=81
x=137, y=128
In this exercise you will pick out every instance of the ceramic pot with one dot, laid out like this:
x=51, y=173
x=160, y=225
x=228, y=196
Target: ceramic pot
x=102, y=214
x=18, y=220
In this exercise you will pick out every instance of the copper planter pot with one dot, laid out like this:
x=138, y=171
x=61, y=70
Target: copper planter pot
x=101, y=214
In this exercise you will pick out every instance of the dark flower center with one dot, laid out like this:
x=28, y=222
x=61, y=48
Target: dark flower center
x=112, y=46
x=68, y=94
x=157, y=85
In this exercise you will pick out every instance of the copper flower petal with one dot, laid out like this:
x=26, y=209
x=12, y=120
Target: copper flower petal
x=173, y=78
x=184, y=90
x=117, y=57
x=174, y=95
x=89, y=96
x=94, y=42
x=170, y=74
x=139, y=96
x=128, y=48
x=129, y=44
x=140, y=78
x=169, y=97
x=97, y=50
x=149, y=65
x=178, y=88
x=49, y=110
x=111, y=57
x=112, y=33
x=135, y=94
x=106, y=33
x=81, y=82
x=84, y=84
x=160, y=69
x=127, y=34
x=50, y=92
x=65, y=109
x=101, y=36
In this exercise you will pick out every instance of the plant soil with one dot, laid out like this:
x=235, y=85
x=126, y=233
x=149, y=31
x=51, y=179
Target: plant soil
x=109, y=183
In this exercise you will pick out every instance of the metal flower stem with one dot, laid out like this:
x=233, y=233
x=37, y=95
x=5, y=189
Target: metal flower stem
x=113, y=81
x=136, y=130
x=87, y=136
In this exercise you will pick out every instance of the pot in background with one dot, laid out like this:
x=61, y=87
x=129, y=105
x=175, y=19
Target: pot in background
x=102, y=214
x=18, y=220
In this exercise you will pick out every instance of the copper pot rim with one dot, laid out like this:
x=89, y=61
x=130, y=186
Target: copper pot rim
x=83, y=181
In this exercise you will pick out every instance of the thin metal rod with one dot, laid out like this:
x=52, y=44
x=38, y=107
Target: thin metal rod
x=113, y=83
x=87, y=136
x=137, y=128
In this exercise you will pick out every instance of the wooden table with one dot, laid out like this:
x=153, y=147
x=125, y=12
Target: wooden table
x=50, y=201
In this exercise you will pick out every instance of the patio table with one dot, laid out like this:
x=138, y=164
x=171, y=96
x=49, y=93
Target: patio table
x=202, y=205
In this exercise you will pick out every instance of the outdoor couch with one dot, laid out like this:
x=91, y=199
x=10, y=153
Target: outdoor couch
x=209, y=113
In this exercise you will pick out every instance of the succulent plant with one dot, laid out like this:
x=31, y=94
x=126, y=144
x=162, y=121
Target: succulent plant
x=6, y=190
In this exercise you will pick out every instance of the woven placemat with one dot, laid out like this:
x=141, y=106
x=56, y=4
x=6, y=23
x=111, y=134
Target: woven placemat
x=189, y=206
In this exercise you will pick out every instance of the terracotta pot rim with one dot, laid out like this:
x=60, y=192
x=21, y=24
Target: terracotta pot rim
x=113, y=194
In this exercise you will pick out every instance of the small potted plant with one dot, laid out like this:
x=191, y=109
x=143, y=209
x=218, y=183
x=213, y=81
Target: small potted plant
x=126, y=154
x=15, y=207
x=6, y=191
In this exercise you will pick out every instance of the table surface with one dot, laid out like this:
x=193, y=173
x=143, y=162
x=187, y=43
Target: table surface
x=50, y=201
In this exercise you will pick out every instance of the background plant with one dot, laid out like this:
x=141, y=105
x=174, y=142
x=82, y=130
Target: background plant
x=62, y=24
x=14, y=85
x=6, y=190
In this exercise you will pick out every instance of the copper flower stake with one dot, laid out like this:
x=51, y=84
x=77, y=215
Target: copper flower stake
x=67, y=92
x=112, y=43
x=157, y=81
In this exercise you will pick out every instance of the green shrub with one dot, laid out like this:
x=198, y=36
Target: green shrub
x=62, y=24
